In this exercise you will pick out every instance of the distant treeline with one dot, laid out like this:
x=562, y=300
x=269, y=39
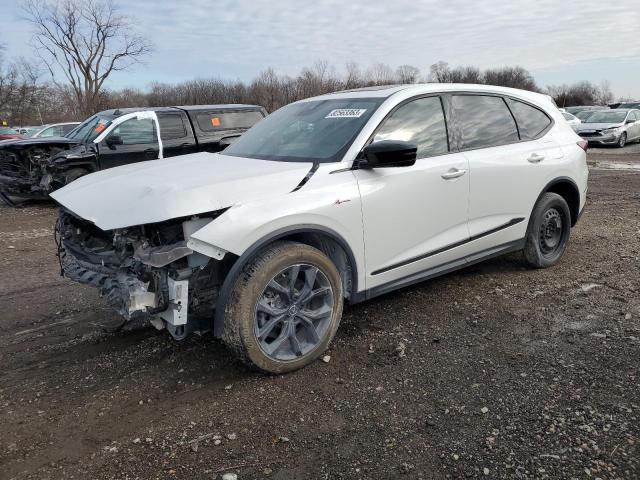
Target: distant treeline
x=25, y=100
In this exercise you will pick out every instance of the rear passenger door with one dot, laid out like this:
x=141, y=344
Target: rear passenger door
x=176, y=134
x=507, y=165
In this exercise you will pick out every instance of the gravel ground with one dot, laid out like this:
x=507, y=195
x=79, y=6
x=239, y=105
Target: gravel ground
x=496, y=371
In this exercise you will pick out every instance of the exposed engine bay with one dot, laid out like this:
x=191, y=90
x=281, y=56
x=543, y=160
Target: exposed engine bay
x=27, y=171
x=145, y=270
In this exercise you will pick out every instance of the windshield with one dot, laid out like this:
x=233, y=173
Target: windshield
x=7, y=131
x=88, y=130
x=606, y=117
x=629, y=105
x=318, y=131
x=584, y=114
x=568, y=116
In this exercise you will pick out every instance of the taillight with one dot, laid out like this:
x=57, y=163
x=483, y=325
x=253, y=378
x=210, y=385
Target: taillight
x=583, y=144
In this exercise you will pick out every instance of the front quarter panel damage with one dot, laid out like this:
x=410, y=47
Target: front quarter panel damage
x=32, y=169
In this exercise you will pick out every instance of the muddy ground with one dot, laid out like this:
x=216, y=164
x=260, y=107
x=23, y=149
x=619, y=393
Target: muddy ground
x=506, y=372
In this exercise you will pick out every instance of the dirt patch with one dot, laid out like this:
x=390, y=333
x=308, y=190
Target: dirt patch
x=506, y=372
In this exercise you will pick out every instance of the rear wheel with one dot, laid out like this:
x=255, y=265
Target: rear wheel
x=284, y=309
x=548, y=232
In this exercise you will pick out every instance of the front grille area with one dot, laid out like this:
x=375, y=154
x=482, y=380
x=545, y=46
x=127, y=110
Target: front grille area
x=590, y=134
x=11, y=165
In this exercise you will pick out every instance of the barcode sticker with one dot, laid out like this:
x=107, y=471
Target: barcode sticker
x=346, y=113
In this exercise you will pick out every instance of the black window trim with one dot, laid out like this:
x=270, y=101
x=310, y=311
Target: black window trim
x=457, y=132
x=405, y=102
x=221, y=111
x=185, y=123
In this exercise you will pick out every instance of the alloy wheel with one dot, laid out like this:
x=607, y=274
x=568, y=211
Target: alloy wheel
x=293, y=313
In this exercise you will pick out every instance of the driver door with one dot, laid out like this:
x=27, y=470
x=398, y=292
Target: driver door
x=134, y=140
x=414, y=217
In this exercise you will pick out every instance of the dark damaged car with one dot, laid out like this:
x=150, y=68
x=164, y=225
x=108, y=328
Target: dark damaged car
x=33, y=168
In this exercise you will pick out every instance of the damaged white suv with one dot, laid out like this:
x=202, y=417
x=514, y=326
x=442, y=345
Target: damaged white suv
x=336, y=198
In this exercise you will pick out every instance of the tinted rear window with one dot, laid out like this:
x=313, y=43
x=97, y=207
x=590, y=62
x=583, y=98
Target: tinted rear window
x=171, y=126
x=485, y=121
x=532, y=122
x=213, y=121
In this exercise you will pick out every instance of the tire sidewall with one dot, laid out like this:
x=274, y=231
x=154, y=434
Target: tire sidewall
x=249, y=286
x=623, y=140
x=532, y=248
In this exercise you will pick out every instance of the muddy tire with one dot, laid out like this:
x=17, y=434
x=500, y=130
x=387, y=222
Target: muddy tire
x=548, y=231
x=284, y=308
x=622, y=141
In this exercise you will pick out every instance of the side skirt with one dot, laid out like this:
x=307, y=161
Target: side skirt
x=438, y=271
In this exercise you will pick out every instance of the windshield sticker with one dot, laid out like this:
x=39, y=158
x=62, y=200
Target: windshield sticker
x=346, y=113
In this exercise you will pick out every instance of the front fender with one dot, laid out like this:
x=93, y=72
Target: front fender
x=328, y=203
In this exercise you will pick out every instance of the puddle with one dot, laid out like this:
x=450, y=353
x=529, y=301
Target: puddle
x=618, y=166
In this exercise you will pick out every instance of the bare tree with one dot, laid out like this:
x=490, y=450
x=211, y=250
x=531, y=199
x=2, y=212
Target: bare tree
x=85, y=40
x=407, y=74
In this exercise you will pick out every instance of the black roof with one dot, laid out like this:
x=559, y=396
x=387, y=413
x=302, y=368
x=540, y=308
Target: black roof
x=228, y=106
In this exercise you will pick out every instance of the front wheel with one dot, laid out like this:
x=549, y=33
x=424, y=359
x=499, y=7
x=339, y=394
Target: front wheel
x=284, y=309
x=622, y=141
x=548, y=231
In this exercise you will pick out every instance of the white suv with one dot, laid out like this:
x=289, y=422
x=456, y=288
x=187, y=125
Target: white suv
x=339, y=197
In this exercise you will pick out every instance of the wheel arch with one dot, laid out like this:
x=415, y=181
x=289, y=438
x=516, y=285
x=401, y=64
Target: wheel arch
x=567, y=189
x=324, y=239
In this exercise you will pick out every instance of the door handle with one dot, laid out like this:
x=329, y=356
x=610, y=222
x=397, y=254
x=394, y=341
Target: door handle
x=535, y=158
x=453, y=173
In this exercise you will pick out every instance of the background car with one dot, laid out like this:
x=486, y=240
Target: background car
x=52, y=130
x=7, y=133
x=571, y=120
x=629, y=105
x=584, y=114
x=34, y=167
x=611, y=127
x=581, y=108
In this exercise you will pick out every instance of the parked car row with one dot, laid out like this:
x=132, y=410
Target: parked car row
x=605, y=126
x=37, y=166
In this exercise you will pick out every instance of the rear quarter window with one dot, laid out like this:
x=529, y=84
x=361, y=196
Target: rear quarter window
x=532, y=122
x=214, y=121
x=484, y=121
x=171, y=126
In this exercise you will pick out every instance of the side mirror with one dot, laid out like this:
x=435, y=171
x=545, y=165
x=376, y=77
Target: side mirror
x=113, y=140
x=389, y=153
x=629, y=121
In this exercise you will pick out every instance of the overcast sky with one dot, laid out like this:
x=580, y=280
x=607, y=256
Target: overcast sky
x=559, y=41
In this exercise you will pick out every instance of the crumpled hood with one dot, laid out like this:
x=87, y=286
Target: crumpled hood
x=25, y=142
x=585, y=127
x=159, y=190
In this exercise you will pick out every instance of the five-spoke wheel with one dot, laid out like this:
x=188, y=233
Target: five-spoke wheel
x=285, y=307
x=294, y=312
